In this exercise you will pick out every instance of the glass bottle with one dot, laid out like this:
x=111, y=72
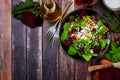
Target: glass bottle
x=50, y=11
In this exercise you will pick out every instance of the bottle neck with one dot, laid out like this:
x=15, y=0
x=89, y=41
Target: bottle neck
x=50, y=6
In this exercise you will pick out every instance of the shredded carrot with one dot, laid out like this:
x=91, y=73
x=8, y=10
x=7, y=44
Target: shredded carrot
x=91, y=27
x=105, y=61
x=87, y=34
x=69, y=29
x=87, y=21
x=76, y=37
x=99, y=36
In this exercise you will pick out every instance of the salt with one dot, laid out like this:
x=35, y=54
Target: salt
x=112, y=3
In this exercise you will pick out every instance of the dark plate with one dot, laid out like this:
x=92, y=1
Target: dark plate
x=90, y=13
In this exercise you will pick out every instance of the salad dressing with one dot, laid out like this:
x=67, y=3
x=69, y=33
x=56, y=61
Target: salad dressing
x=50, y=11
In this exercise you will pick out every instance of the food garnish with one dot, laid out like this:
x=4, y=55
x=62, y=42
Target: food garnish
x=113, y=53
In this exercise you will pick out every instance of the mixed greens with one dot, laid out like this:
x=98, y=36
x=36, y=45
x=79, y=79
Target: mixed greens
x=113, y=19
x=84, y=36
x=113, y=54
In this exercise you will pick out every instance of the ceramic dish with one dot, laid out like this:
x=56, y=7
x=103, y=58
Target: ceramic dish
x=113, y=5
x=84, y=34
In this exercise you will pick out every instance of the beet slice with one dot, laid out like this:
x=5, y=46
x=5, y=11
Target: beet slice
x=29, y=19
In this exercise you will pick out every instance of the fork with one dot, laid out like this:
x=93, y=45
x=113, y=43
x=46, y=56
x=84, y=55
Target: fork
x=51, y=31
x=56, y=40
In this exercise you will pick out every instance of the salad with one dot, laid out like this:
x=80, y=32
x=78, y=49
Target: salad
x=84, y=36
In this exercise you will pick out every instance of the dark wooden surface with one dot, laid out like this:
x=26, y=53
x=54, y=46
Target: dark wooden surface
x=5, y=40
x=26, y=55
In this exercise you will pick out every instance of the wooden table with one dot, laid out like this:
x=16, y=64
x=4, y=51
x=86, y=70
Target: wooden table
x=26, y=55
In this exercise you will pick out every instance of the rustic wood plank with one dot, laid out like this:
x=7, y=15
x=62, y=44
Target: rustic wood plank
x=29, y=60
x=50, y=56
x=65, y=62
x=81, y=69
x=18, y=48
x=5, y=40
x=66, y=66
x=50, y=69
x=34, y=52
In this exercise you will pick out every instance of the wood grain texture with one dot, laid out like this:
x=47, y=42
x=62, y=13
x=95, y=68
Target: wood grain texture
x=34, y=52
x=26, y=50
x=26, y=55
x=66, y=63
x=5, y=40
x=18, y=51
x=18, y=48
x=50, y=55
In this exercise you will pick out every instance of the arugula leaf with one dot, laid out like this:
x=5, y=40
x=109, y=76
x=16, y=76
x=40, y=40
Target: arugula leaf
x=71, y=17
x=103, y=43
x=72, y=51
x=101, y=29
x=64, y=35
x=113, y=19
x=114, y=53
x=75, y=45
x=75, y=25
x=113, y=46
x=66, y=26
x=87, y=49
x=94, y=43
x=81, y=41
x=80, y=54
x=95, y=54
x=87, y=57
x=82, y=24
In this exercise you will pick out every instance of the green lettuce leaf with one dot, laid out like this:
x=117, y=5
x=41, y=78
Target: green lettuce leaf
x=87, y=49
x=72, y=51
x=103, y=43
x=87, y=57
x=71, y=17
x=114, y=53
x=75, y=25
x=95, y=54
x=66, y=26
x=101, y=29
x=64, y=35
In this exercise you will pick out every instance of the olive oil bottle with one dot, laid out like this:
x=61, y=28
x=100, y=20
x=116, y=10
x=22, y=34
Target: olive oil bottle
x=50, y=11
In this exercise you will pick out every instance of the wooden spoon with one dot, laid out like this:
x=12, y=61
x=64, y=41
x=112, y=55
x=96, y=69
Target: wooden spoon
x=97, y=67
